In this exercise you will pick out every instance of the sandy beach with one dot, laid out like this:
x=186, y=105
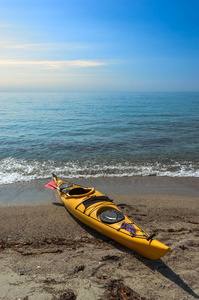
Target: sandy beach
x=47, y=254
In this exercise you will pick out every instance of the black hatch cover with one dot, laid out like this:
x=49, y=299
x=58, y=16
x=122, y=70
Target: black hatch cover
x=111, y=216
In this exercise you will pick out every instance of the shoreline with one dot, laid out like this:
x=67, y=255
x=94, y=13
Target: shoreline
x=45, y=253
x=34, y=192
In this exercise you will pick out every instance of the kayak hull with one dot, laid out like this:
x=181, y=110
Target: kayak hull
x=89, y=207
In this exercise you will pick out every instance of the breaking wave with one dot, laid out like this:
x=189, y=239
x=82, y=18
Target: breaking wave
x=19, y=170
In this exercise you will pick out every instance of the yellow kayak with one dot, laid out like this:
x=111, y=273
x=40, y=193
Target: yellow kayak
x=97, y=211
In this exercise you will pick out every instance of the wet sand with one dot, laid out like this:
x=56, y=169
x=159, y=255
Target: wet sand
x=47, y=254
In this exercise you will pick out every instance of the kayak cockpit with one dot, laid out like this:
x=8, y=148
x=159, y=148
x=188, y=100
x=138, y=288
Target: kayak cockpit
x=78, y=192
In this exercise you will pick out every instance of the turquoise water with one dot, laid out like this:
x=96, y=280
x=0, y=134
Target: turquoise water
x=99, y=134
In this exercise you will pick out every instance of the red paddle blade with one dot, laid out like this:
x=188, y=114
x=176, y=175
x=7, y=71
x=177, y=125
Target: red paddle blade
x=51, y=185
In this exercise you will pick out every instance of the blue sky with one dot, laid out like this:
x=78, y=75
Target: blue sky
x=99, y=45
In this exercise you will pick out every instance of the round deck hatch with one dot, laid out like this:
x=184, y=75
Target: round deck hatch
x=111, y=216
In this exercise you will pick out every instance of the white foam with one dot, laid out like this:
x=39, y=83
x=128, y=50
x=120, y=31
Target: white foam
x=17, y=170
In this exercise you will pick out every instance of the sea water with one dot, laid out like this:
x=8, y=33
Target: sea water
x=98, y=135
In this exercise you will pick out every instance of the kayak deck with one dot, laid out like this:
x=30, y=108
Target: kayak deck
x=100, y=213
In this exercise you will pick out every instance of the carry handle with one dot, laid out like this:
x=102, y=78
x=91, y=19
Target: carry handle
x=151, y=236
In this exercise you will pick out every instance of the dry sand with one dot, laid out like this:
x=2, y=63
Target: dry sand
x=47, y=254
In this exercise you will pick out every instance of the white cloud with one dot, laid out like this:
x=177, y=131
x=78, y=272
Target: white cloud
x=52, y=64
x=35, y=54
x=6, y=44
